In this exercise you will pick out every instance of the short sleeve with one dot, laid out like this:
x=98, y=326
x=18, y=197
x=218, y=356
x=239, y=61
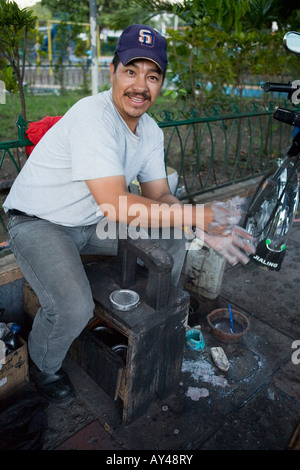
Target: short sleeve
x=94, y=150
x=154, y=167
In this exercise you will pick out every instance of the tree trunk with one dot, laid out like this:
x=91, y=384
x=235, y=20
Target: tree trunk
x=22, y=96
x=23, y=104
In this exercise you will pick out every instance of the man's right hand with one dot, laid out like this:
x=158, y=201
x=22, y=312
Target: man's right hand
x=221, y=217
x=235, y=247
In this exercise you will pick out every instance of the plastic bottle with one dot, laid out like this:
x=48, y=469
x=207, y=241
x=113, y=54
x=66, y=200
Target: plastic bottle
x=4, y=330
x=12, y=340
x=204, y=270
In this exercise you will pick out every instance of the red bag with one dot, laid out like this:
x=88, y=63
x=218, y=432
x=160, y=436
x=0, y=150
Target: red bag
x=37, y=130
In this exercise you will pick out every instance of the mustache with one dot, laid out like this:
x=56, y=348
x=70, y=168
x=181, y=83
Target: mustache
x=144, y=94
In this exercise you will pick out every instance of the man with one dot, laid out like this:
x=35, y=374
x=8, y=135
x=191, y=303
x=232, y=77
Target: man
x=76, y=181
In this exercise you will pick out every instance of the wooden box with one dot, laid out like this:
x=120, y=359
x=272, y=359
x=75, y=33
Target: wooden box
x=154, y=331
x=14, y=371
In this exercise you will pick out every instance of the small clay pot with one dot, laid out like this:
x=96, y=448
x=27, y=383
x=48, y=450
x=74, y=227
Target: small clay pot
x=219, y=322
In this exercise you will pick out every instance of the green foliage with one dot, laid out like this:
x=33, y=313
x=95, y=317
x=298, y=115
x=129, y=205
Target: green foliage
x=10, y=81
x=259, y=14
x=15, y=25
x=113, y=14
x=190, y=11
x=118, y=14
x=227, y=14
x=68, y=9
x=222, y=44
x=41, y=12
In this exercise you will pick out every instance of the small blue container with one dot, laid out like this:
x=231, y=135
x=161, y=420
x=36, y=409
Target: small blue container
x=194, y=339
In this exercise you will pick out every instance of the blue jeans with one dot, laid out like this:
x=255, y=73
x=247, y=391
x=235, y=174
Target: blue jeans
x=49, y=258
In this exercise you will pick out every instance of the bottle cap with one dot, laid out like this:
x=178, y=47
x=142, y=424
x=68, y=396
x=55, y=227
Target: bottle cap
x=15, y=328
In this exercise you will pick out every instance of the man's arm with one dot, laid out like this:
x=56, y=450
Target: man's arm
x=159, y=191
x=155, y=207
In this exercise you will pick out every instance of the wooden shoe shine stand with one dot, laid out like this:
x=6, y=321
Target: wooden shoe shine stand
x=153, y=331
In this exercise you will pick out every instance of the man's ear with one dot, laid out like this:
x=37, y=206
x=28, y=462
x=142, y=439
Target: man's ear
x=111, y=68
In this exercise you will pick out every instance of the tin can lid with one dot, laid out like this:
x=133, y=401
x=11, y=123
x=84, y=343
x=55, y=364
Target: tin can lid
x=119, y=347
x=124, y=299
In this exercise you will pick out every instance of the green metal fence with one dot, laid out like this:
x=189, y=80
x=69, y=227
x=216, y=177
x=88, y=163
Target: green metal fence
x=219, y=149
x=7, y=148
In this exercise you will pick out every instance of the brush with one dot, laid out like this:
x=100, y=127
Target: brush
x=231, y=319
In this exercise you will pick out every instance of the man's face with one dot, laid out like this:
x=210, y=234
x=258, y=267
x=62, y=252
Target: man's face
x=135, y=88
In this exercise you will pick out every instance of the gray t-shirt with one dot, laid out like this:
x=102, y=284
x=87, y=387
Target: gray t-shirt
x=90, y=141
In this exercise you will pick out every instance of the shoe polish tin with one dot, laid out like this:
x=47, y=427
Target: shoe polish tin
x=124, y=299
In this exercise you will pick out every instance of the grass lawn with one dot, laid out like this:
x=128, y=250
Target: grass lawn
x=39, y=106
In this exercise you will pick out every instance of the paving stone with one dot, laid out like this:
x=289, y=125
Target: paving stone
x=91, y=437
x=250, y=427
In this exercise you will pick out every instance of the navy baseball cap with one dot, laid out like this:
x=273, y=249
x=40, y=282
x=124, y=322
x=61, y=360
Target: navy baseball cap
x=139, y=41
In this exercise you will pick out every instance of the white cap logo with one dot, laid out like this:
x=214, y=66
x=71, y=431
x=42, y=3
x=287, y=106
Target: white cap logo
x=146, y=38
